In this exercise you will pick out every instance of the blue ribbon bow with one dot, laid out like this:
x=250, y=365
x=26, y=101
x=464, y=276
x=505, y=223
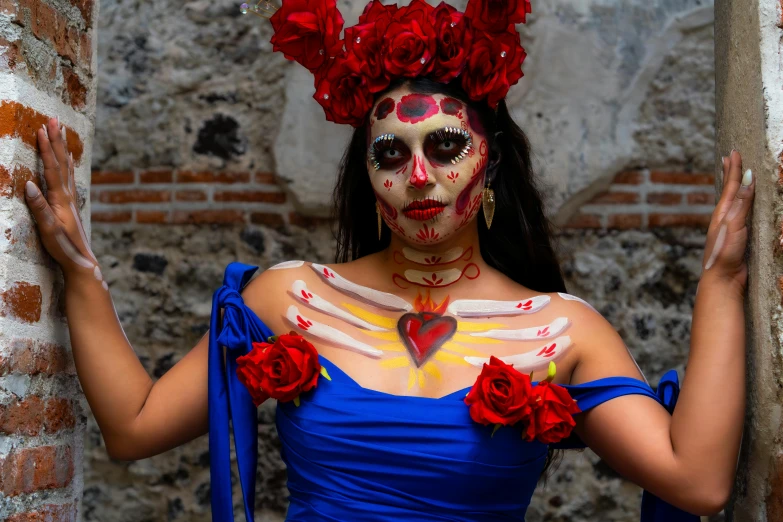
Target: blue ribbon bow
x=229, y=400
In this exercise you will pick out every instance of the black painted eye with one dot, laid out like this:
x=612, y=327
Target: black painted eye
x=441, y=147
x=391, y=155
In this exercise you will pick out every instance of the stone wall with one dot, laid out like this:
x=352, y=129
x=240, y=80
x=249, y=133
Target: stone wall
x=617, y=101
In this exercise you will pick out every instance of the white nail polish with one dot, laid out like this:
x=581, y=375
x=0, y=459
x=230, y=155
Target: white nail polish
x=31, y=189
x=747, y=178
x=46, y=131
x=62, y=132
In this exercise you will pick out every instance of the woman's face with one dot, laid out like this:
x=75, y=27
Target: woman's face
x=426, y=156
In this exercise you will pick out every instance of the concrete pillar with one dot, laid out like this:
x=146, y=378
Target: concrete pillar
x=47, y=68
x=749, y=117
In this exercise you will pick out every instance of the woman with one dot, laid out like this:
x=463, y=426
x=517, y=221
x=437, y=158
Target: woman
x=416, y=382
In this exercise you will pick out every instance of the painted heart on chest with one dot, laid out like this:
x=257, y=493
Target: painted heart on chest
x=424, y=332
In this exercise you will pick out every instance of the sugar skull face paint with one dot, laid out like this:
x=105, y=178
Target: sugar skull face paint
x=414, y=108
x=428, y=162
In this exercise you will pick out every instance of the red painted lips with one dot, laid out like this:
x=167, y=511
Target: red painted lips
x=424, y=209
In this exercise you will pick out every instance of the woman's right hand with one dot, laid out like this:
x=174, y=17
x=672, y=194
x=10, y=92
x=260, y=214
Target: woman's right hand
x=55, y=214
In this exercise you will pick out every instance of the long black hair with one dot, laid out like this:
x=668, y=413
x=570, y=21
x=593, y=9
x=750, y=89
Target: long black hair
x=520, y=242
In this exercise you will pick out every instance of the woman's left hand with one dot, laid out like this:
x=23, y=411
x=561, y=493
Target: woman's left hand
x=727, y=236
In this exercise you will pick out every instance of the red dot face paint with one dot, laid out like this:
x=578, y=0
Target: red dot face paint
x=384, y=108
x=414, y=108
x=452, y=107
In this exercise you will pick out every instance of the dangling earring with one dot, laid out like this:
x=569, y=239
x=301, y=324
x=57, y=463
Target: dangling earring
x=488, y=204
x=380, y=220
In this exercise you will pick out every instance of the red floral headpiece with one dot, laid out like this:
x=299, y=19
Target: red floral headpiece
x=481, y=46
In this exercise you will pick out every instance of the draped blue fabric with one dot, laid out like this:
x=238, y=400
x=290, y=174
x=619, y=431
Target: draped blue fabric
x=358, y=454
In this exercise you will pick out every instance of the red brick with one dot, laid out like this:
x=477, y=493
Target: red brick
x=85, y=49
x=12, y=182
x=156, y=176
x=681, y=178
x=27, y=470
x=75, y=92
x=255, y=196
x=47, y=513
x=85, y=7
x=701, y=198
x=267, y=218
x=33, y=414
x=680, y=220
x=265, y=177
x=134, y=196
x=17, y=120
x=103, y=177
x=664, y=198
x=190, y=195
x=584, y=221
x=212, y=177
x=200, y=217
x=10, y=53
x=307, y=221
x=628, y=177
x=151, y=216
x=22, y=301
x=624, y=221
x=21, y=355
x=110, y=217
x=615, y=197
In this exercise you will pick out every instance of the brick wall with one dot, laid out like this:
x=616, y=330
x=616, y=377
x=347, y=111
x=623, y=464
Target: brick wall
x=190, y=197
x=650, y=199
x=46, y=70
x=635, y=199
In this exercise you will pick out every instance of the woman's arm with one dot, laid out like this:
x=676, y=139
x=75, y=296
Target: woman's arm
x=137, y=418
x=688, y=459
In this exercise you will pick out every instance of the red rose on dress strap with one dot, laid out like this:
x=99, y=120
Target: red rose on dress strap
x=307, y=31
x=500, y=395
x=250, y=373
x=342, y=90
x=493, y=66
x=454, y=41
x=495, y=16
x=552, y=418
x=282, y=370
x=410, y=41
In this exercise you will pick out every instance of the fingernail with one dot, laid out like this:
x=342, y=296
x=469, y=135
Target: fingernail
x=747, y=178
x=62, y=131
x=31, y=189
x=46, y=131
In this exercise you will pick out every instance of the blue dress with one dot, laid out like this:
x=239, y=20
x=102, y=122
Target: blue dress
x=355, y=454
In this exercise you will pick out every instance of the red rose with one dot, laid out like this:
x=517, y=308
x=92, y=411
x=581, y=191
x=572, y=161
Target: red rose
x=454, y=39
x=493, y=66
x=249, y=372
x=410, y=41
x=495, y=16
x=552, y=419
x=283, y=371
x=342, y=90
x=365, y=42
x=375, y=11
x=500, y=395
x=307, y=31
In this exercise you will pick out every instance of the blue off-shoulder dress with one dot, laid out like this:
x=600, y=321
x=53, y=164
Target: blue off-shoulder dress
x=355, y=454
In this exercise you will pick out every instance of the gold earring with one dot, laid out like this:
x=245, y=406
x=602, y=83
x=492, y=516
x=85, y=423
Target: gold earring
x=488, y=204
x=380, y=220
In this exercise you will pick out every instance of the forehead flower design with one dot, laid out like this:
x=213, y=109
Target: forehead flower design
x=481, y=47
